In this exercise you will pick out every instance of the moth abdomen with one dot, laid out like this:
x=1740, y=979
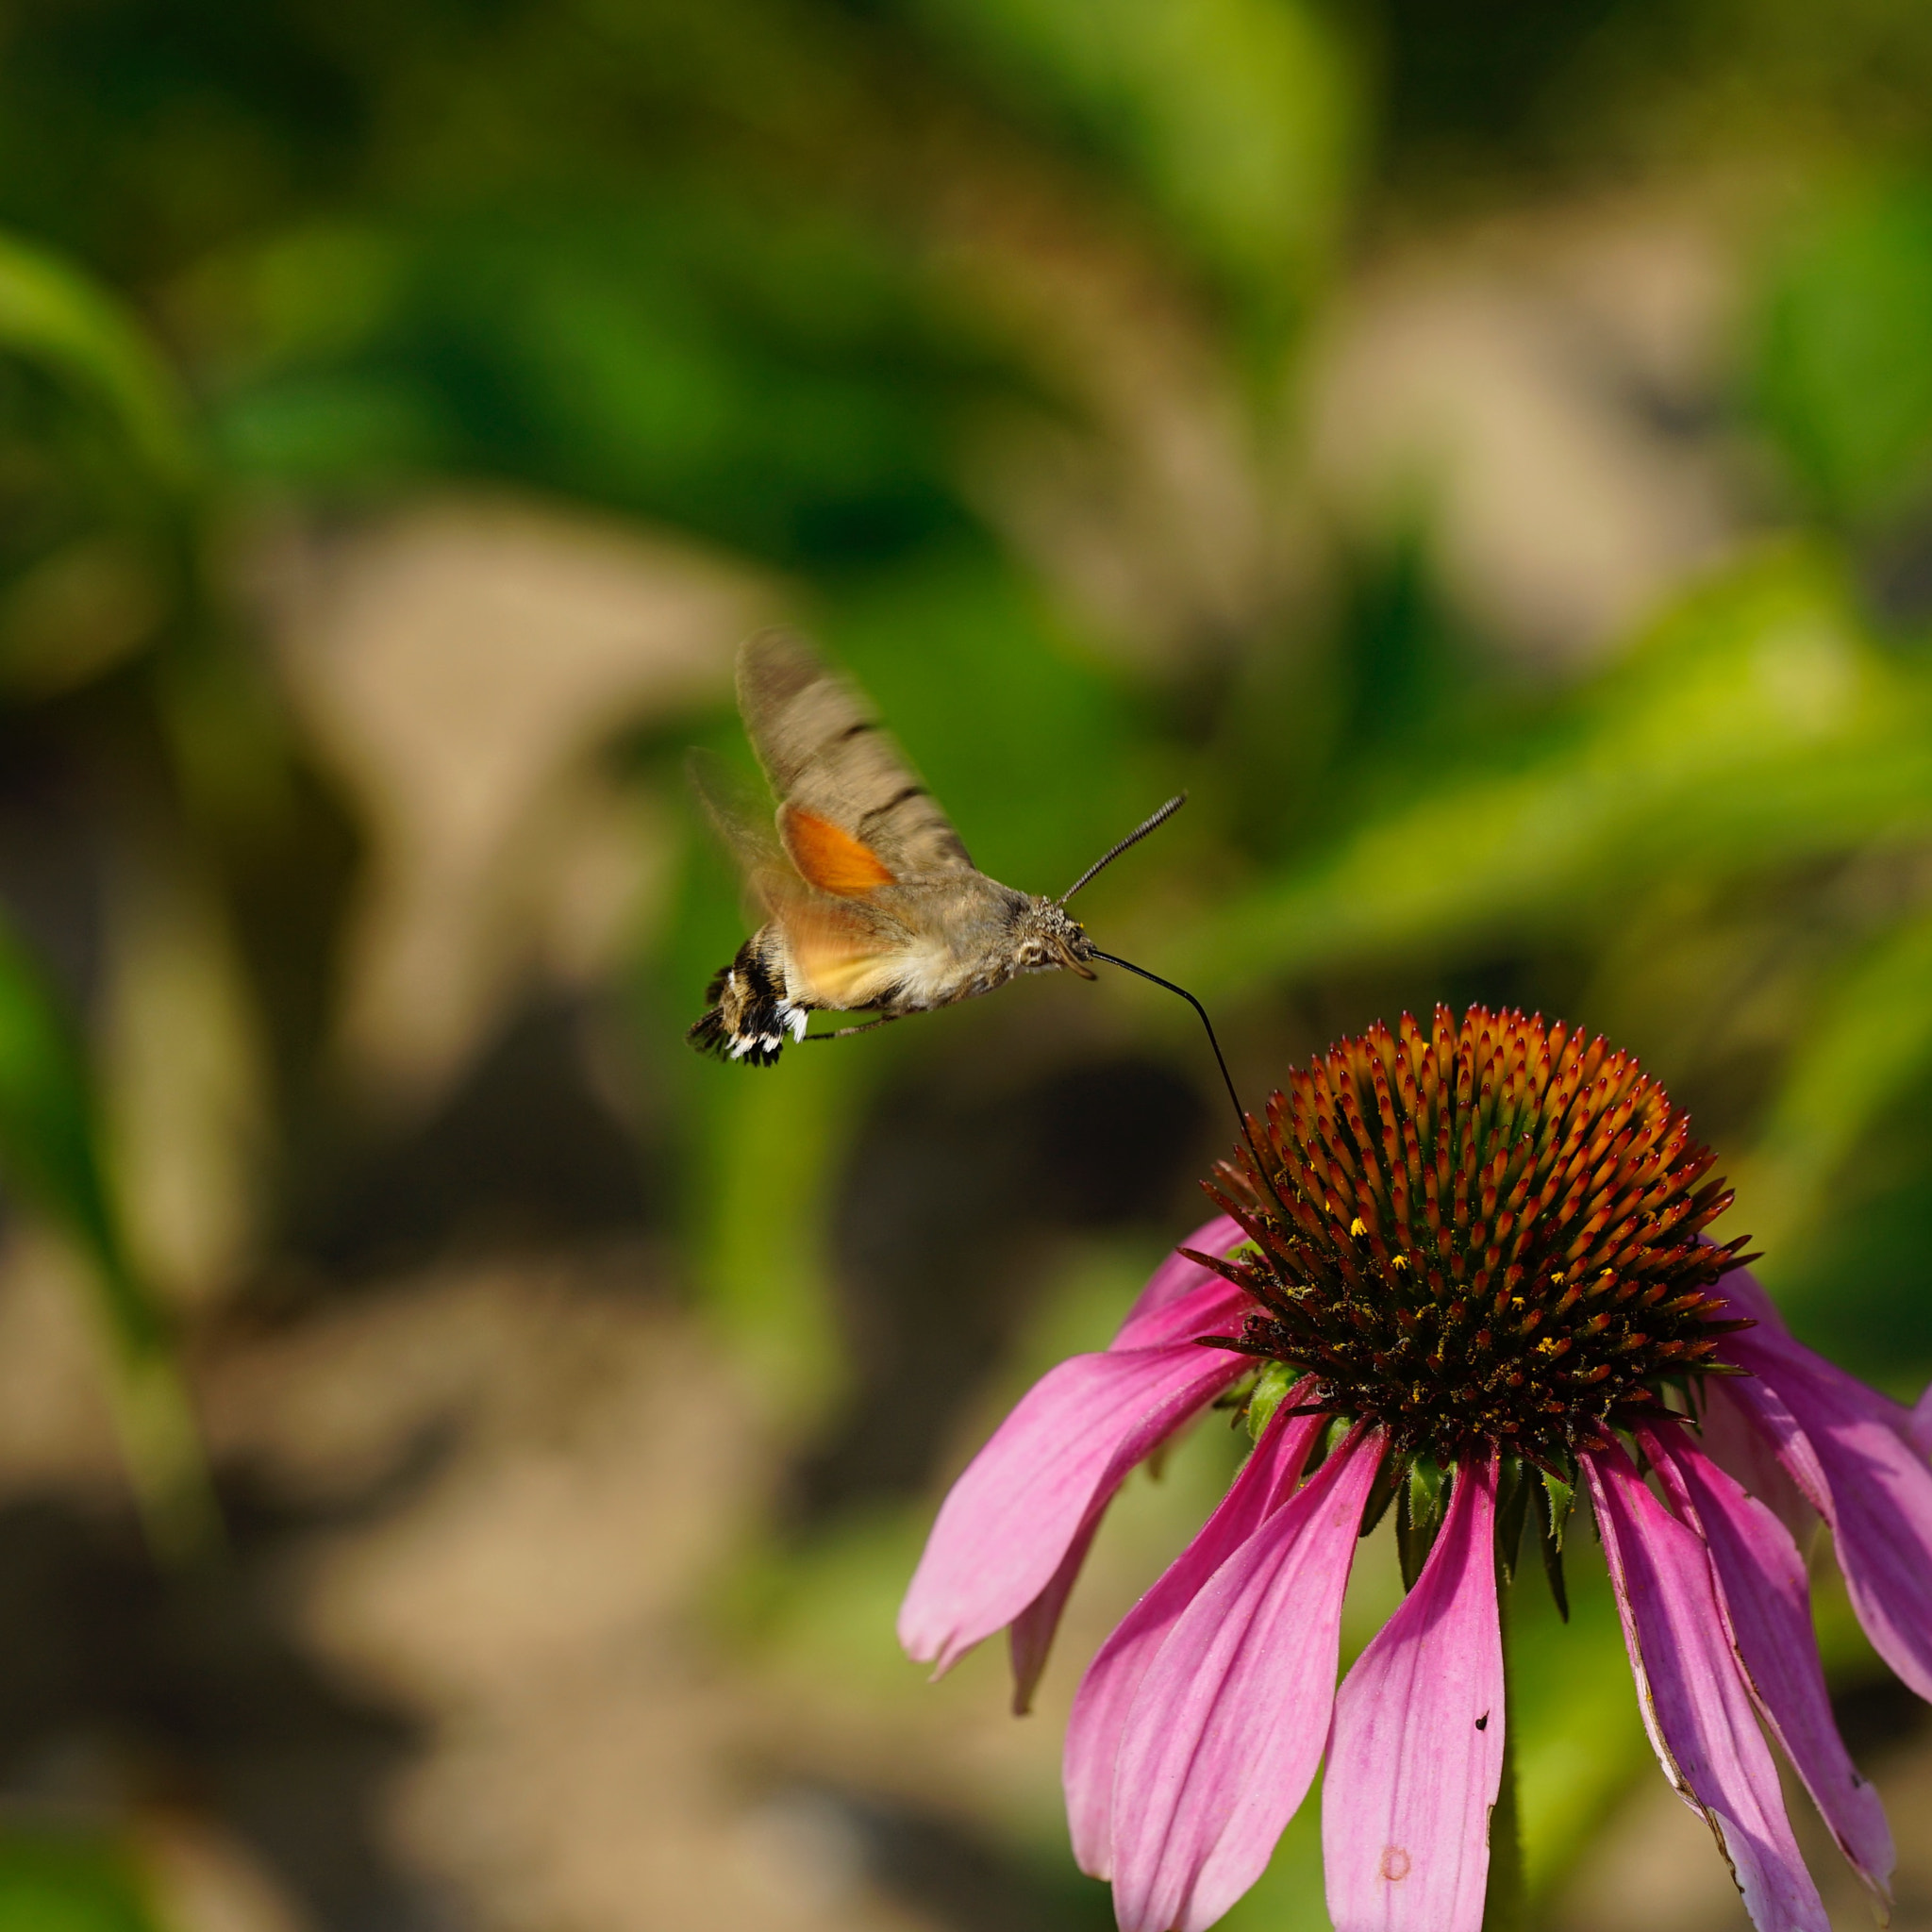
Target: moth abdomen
x=749, y=1015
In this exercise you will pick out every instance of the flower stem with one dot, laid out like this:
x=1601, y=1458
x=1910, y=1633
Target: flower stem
x=1504, y=1905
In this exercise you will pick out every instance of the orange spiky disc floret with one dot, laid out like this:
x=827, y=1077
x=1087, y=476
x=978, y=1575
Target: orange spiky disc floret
x=1483, y=1233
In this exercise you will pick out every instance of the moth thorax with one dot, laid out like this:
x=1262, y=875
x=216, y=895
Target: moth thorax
x=1483, y=1233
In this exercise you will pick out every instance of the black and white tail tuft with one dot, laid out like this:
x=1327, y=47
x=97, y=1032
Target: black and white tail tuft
x=749, y=1015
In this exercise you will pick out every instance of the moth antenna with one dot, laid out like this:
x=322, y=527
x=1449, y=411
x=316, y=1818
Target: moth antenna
x=1133, y=837
x=1241, y=1113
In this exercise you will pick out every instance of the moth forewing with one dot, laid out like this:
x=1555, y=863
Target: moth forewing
x=825, y=752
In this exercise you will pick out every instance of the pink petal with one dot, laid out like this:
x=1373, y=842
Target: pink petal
x=1873, y=1487
x=1030, y=1635
x=1415, y=1757
x=1223, y=1740
x=1107, y=1692
x=1182, y=1301
x=1748, y=1299
x=1185, y=1299
x=1693, y=1696
x=1767, y=1606
x=1214, y=1308
x=1857, y=1458
x=1177, y=1276
x=1745, y=1445
x=1918, y=1429
x=1037, y=1489
x=1775, y=1358
x=1772, y=1344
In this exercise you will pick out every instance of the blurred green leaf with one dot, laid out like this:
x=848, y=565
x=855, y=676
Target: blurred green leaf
x=52, y=314
x=770, y=1163
x=75, y=612
x=1754, y=725
x=1238, y=117
x=50, y=1156
x=1867, y=1047
x=779, y=381
x=48, y=1136
x=1843, y=379
x=1855, y=1290
x=71, y=1883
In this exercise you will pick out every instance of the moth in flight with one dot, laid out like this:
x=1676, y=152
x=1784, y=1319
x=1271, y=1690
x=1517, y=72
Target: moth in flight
x=871, y=903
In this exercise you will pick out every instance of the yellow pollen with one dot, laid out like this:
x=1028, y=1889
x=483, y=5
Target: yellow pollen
x=1399, y=1261
x=1360, y=1226
x=1548, y=1345
x=1555, y=1275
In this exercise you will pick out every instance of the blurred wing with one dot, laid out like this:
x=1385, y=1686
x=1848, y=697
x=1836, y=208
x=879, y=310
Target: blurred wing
x=738, y=821
x=838, y=953
x=830, y=760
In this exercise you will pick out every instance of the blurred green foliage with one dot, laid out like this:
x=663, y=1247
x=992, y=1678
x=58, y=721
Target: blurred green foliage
x=71, y=1884
x=829, y=288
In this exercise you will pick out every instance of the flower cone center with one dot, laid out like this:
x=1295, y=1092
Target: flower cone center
x=1481, y=1233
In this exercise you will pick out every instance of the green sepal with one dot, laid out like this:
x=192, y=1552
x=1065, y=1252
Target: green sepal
x=1555, y=1498
x=1554, y=1505
x=1270, y=1386
x=1333, y=1432
x=1418, y=1511
x=1512, y=1511
x=1389, y=1481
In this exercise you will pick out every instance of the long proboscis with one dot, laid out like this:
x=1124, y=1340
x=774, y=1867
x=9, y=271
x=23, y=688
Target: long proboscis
x=1151, y=822
x=1241, y=1113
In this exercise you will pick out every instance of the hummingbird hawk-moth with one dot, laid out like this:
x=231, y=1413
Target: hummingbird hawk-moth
x=871, y=903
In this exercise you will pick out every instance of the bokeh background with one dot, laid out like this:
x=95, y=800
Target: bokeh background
x=460, y=1454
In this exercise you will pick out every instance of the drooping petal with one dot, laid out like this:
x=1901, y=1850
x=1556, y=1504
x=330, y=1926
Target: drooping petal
x=1778, y=1359
x=1919, y=1430
x=1040, y=1484
x=1030, y=1635
x=1692, y=1695
x=1107, y=1692
x=1766, y=1607
x=1181, y=1302
x=1223, y=1737
x=1772, y=1344
x=1178, y=1279
x=1747, y=1447
x=1210, y=1307
x=1415, y=1755
x=1874, y=1491
x=1748, y=1299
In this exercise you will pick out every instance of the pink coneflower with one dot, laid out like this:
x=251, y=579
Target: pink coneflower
x=1466, y=1276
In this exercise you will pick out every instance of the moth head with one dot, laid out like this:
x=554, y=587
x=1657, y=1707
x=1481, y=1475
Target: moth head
x=1046, y=936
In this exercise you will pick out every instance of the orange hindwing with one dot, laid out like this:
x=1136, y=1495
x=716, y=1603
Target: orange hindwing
x=826, y=858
